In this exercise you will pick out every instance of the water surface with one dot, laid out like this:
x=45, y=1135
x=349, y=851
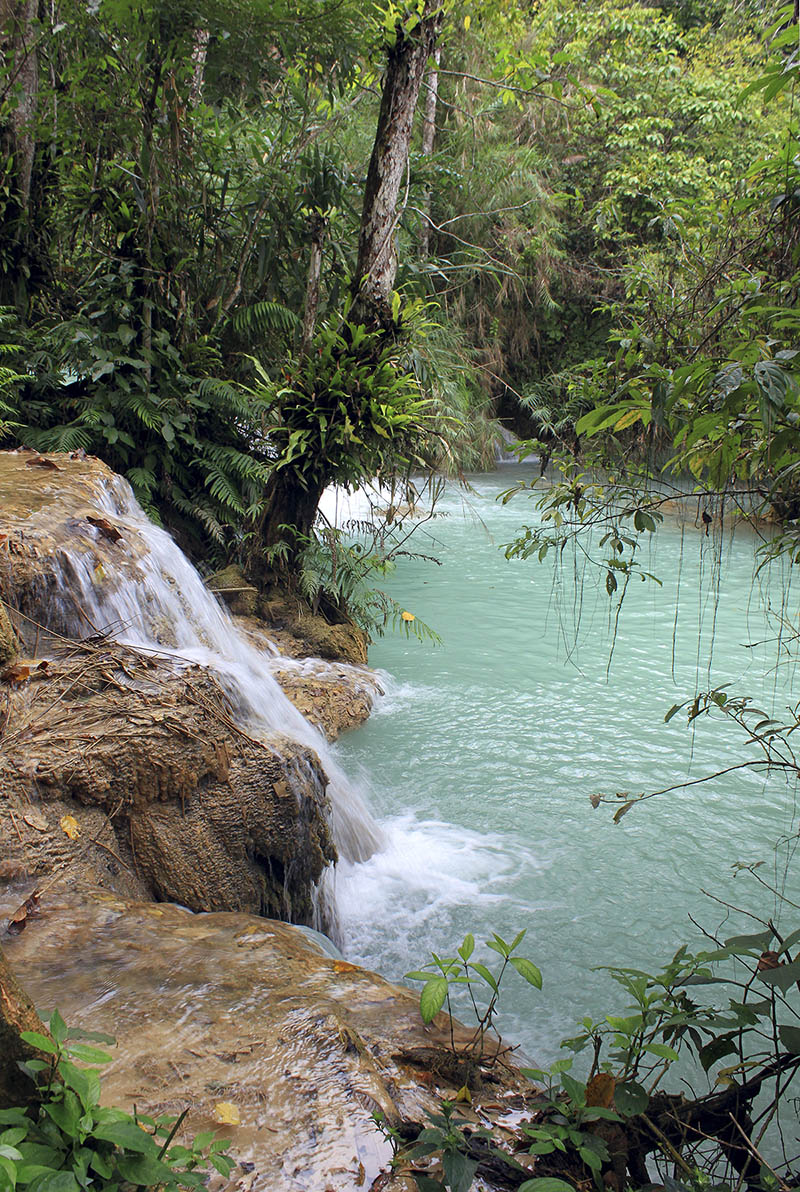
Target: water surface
x=484, y=753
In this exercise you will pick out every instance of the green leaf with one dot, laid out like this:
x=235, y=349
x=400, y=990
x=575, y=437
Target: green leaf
x=54, y=1181
x=528, y=970
x=748, y=943
x=459, y=1171
x=128, y=1135
x=662, y=1050
x=144, y=1170
x=485, y=974
x=89, y=1055
x=630, y=1098
x=546, y=1184
x=432, y=998
x=790, y=1038
x=66, y=1113
x=784, y=976
x=574, y=1089
x=467, y=948
x=40, y=1042
x=716, y=1050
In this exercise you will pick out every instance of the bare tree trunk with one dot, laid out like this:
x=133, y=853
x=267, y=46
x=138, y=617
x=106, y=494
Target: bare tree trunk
x=428, y=137
x=17, y=1014
x=377, y=255
x=199, y=53
x=18, y=24
x=318, y=225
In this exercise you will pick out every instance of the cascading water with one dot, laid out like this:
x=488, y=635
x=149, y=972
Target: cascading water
x=159, y=603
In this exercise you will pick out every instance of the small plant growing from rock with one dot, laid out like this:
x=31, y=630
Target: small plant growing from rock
x=65, y=1141
x=443, y=974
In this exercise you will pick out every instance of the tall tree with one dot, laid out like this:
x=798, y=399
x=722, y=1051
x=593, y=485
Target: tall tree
x=413, y=44
x=347, y=415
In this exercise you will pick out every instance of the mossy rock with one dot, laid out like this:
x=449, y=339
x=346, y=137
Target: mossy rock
x=232, y=586
x=9, y=646
x=345, y=642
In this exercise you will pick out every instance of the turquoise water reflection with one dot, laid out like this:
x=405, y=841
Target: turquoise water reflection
x=483, y=756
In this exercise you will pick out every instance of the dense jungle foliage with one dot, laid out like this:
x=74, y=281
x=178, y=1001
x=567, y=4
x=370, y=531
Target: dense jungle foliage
x=595, y=197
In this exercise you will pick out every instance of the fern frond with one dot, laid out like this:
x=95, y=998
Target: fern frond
x=265, y=316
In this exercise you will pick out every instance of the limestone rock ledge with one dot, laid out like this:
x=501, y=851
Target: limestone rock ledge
x=167, y=798
x=227, y=1008
x=334, y=696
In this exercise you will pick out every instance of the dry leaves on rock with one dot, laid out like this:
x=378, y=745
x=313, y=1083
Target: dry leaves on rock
x=24, y=669
x=106, y=528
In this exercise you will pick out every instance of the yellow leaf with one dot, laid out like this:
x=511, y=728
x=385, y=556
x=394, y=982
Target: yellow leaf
x=628, y=418
x=467, y=22
x=227, y=1113
x=463, y=1094
x=407, y=616
x=69, y=826
x=344, y=966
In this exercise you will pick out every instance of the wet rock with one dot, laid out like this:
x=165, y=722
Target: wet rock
x=313, y=635
x=169, y=798
x=334, y=696
x=226, y=1008
x=52, y=519
x=232, y=586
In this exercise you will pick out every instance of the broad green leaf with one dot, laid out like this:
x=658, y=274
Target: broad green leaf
x=630, y=1098
x=662, y=1050
x=546, y=1184
x=575, y=1090
x=432, y=998
x=784, y=976
x=127, y=1135
x=89, y=1055
x=40, y=1042
x=528, y=970
x=790, y=1038
x=144, y=1170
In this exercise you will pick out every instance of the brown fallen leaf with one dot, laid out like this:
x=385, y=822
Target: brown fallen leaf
x=768, y=960
x=344, y=966
x=600, y=1091
x=24, y=669
x=19, y=920
x=41, y=461
x=104, y=526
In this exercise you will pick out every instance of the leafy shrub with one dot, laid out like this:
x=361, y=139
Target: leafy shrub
x=66, y=1141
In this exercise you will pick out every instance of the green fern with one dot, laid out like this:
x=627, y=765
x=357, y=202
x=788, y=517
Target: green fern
x=263, y=317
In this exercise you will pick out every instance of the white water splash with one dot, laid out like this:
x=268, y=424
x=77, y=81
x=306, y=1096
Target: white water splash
x=159, y=603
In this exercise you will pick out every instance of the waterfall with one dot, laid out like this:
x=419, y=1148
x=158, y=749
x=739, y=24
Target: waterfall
x=159, y=603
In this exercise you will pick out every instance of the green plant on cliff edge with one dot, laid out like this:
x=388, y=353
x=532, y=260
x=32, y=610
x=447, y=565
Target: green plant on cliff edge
x=66, y=1141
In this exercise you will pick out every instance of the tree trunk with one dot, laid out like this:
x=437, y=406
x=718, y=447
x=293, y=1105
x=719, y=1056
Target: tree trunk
x=318, y=226
x=17, y=1014
x=428, y=137
x=19, y=59
x=377, y=255
x=18, y=22
x=291, y=509
x=199, y=54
